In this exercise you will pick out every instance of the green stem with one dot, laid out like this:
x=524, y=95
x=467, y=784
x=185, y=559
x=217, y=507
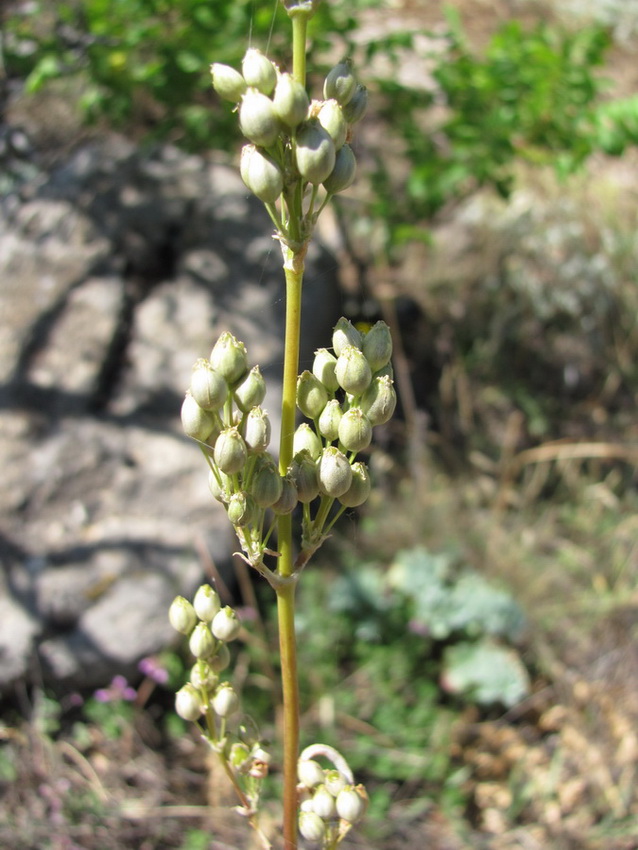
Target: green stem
x=299, y=30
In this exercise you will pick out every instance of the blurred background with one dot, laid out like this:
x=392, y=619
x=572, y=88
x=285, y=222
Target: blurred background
x=468, y=638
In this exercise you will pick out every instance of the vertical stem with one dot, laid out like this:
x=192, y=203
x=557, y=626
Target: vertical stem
x=299, y=30
x=286, y=591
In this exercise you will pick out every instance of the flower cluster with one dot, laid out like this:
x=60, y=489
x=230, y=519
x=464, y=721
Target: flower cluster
x=205, y=698
x=330, y=802
x=293, y=143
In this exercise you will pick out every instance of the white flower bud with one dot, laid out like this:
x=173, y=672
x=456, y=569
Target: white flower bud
x=230, y=452
x=182, y=616
x=241, y=509
x=202, y=676
x=251, y=390
x=355, y=430
x=220, y=660
x=335, y=781
x=196, y=422
x=306, y=438
x=355, y=108
x=340, y=83
x=208, y=387
x=334, y=473
x=261, y=174
x=379, y=400
x=345, y=333
x=352, y=803
x=311, y=827
x=259, y=71
x=257, y=431
x=266, y=484
x=206, y=603
x=331, y=118
x=312, y=396
x=303, y=473
x=323, y=803
x=353, y=371
x=360, y=488
x=227, y=82
x=323, y=368
x=257, y=119
x=343, y=173
x=225, y=702
x=202, y=644
x=377, y=346
x=229, y=358
x=287, y=502
x=290, y=101
x=310, y=772
x=188, y=703
x=315, y=152
x=329, y=420
x=226, y=625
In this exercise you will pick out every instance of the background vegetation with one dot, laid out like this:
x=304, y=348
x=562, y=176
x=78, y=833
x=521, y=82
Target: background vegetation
x=474, y=651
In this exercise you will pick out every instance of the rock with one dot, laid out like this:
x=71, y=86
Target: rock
x=122, y=269
x=18, y=630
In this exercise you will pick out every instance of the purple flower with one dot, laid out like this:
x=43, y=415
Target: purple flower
x=152, y=669
x=119, y=689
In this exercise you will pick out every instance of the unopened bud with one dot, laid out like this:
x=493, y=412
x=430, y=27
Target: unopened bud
x=355, y=108
x=340, y=83
x=229, y=358
x=266, y=485
x=202, y=643
x=335, y=781
x=311, y=827
x=206, y=603
x=208, y=387
x=311, y=395
x=230, y=451
x=182, y=616
x=188, y=703
x=257, y=119
x=310, y=772
x=379, y=400
x=290, y=101
x=377, y=346
x=259, y=72
x=287, y=502
x=345, y=333
x=331, y=119
x=241, y=509
x=323, y=803
x=227, y=82
x=343, y=173
x=334, y=473
x=218, y=484
x=225, y=702
x=257, y=430
x=202, y=676
x=355, y=430
x=303, y=472
x=261, y=174
x=251, y=390
x=196, y=422
x=306, y=438
x=226, y=625
x=353, y=371
x=323, y=368
x=352, y=803
x=220, y=660
x=360, y=488
x=329, y=420
x=239, y=756
x=314, y=152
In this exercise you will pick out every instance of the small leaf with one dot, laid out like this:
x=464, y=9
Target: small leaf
x=485, y=672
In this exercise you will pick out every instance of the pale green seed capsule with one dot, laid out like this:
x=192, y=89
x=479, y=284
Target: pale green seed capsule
x=261, y=174
x=310, y=773
x=356, y=107
x=379, y=400
x=315, y=152
x=202, y=676
x=250, y=391
x=182, y=616
x=266, y=485
x=225, y=702
x=227, y=82
x=303, y=472
x=323, y=803
x=229, y=358
x=340, y=83
x=360, y=488
x=240, y=757
x=196, y=422
x=257, y=119
x=257, y=430
x=220, y=660
x=312, y=396
x=311, y=827
x=241, y=509
x=290, y=101
x=323, y=368
x=220, y=486
x=206, y=603
x=230, y=452
x=377, y=346
x=306, y=438
x=188, y=703
x=353, y=371
x=329, y=420
x=202, y=644
x=259, y=72
x=345, y=333
x=355, y=430
x=334, y=472
x=226, y=625
x=343, y=173
x=331, y=118
x=287, y=502
x=351, y=803
x=208, y=387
